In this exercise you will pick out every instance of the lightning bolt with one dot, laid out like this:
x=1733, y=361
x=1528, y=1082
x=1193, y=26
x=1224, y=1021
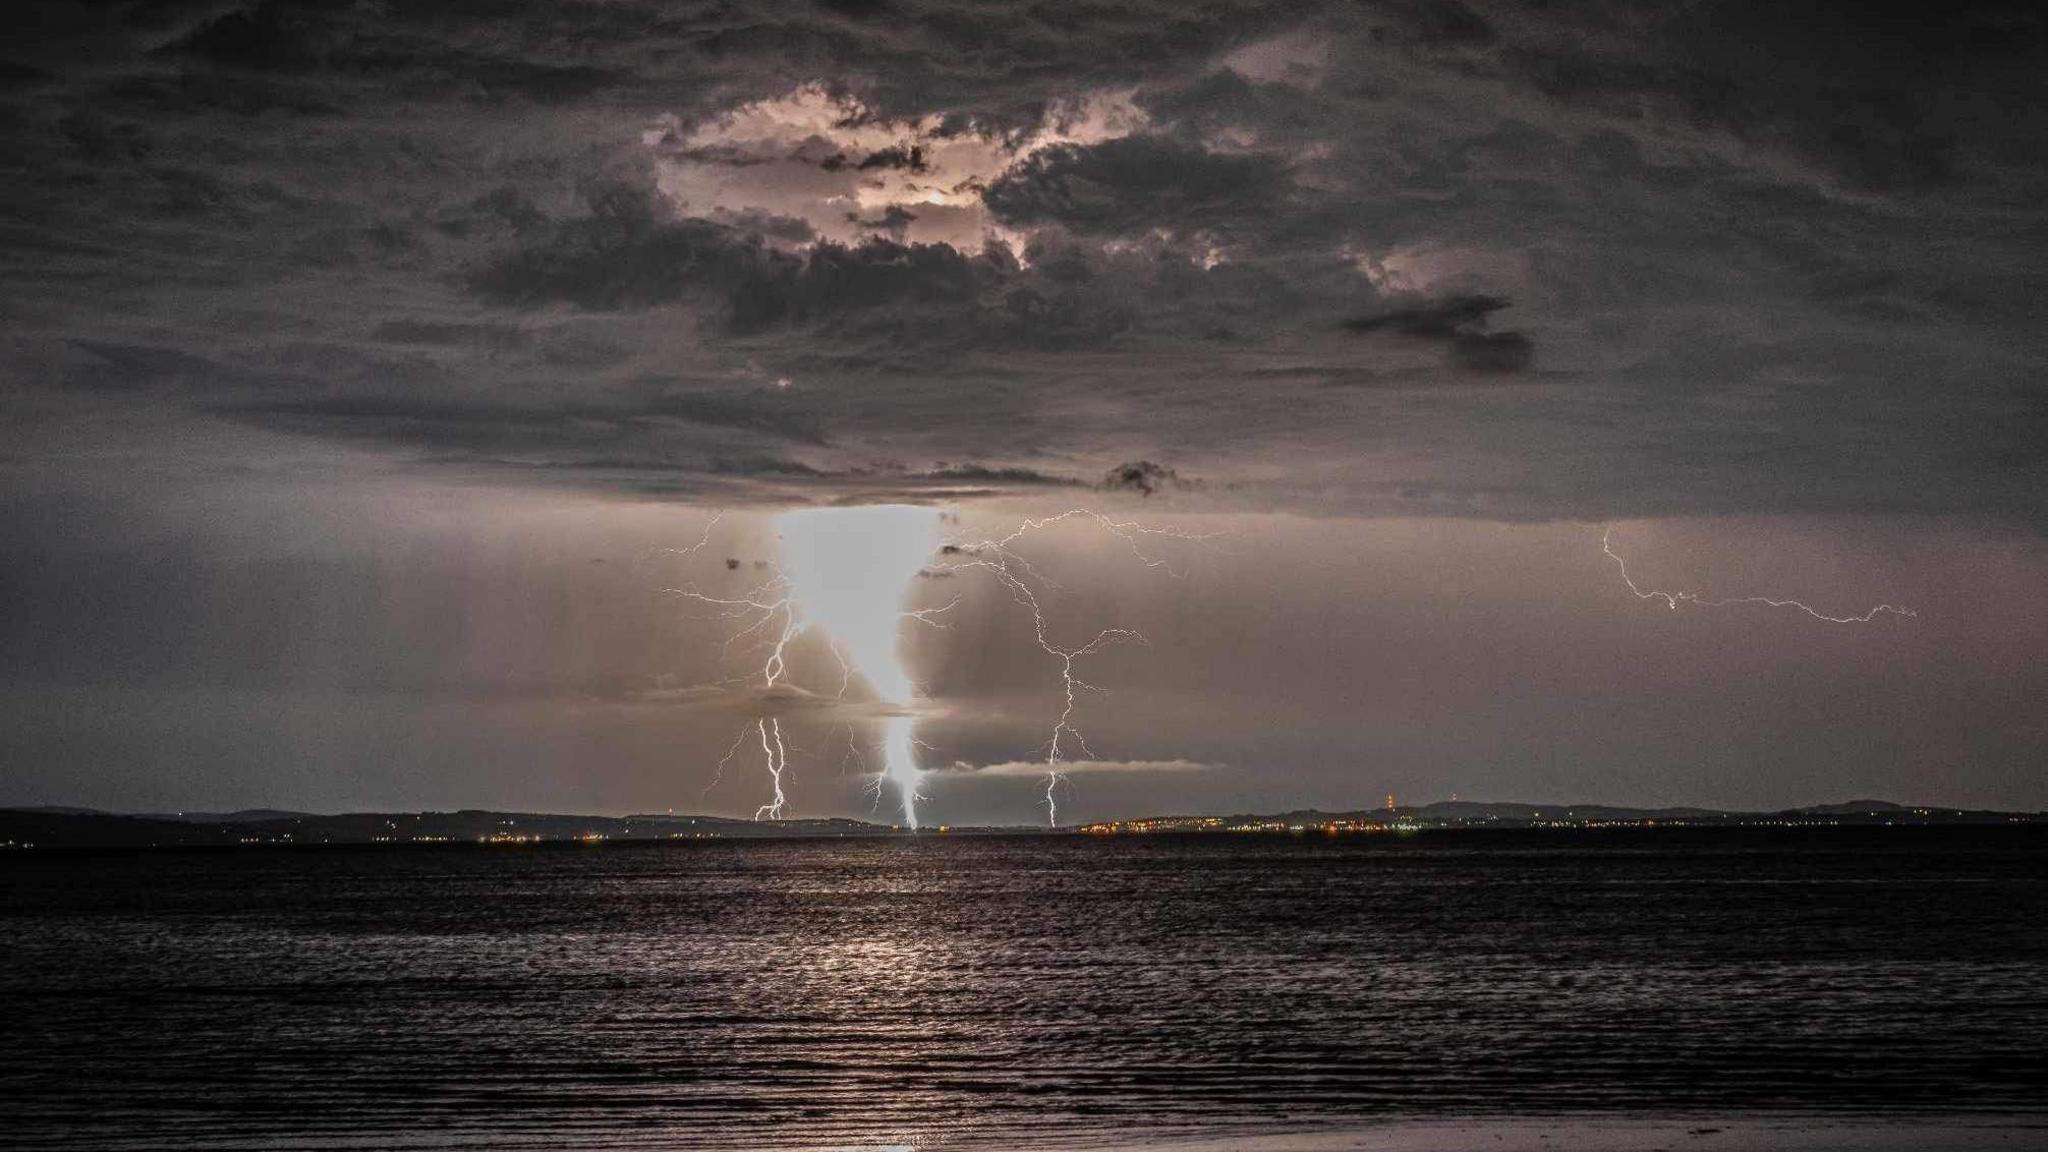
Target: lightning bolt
x=718, y=774
x=760, y=609
x=778, y=761
x=1673, y=599
x=1017, y=575
x=702, y=539
x=842, y=572
x=771, y=615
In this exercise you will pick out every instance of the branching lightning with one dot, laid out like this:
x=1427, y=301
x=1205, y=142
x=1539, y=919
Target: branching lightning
x=1673, y=599
x=1017, y=575
x=778, y=760
x=848, y=576
x=768, y=610
x=718, y=774
x=850, y=579
x=845, y=571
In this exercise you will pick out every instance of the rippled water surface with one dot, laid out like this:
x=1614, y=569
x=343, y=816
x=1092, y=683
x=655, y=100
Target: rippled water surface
x=1028, y=990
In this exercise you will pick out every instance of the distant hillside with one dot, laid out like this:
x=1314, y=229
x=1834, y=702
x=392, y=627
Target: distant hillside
x=84, y=828
x=1453, y=814
x=244, y=816
x=56, y=827
x=1857, y=808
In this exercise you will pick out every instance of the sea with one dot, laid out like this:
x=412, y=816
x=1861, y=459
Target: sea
x=1050, y=991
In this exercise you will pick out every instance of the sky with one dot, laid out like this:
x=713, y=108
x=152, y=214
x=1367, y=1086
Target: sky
x=388, y=393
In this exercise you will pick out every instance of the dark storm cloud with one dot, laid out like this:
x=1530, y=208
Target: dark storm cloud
x=894, y=221
x=295, y=38
x=785, y=229
x=555, y=234
x=1879, y=95
x=474, y=426
x=622, y=255
x=1501, y=352
x=1143, y=477
x=1136, y=183
x=909, y=158
x=999, y=477
x=630, y=253
x=1439, y=319
x=1459, y=323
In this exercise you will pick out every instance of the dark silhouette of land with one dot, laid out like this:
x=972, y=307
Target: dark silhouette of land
x=62, y=827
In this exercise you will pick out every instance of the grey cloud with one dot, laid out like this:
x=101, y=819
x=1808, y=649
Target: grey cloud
x=278, y=36
x=761, y=411
x=1712, y=221
x=1885, y=96
x=268, y=36
x=908, y=158
x=1437, y=319
x=443, y=421
x=627, y=253
x=1458, y=322
x=622, y=255
x=786, y=229
x=998, y=477
x=438, y=334
x=1445, y=24
x=1501, y=352
x=893, y=221
x=1135, y=183
x=103, y=364
x=1143, y=477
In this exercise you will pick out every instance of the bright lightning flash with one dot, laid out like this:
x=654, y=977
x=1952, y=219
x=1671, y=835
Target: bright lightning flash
x=1673, y=599
x=848, y=571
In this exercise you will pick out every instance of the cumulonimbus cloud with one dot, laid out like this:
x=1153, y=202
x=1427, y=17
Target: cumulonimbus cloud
x=1046, y=249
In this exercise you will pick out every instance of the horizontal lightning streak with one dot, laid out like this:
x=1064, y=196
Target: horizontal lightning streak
x=1673, y=599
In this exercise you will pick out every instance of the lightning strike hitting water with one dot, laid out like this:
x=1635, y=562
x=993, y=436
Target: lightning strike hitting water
x=1673, y=599
x=851, y=569
x=847, y=571
x=778, y=759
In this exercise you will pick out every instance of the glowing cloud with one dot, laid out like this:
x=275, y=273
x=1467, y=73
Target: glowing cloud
x=847, y=172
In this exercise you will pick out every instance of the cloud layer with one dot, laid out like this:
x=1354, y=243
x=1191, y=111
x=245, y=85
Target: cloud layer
x=1403, y=257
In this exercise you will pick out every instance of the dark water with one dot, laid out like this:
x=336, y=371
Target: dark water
x=1030, y=991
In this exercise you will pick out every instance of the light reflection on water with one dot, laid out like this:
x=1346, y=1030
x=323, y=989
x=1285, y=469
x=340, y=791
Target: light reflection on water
x=948, y=992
